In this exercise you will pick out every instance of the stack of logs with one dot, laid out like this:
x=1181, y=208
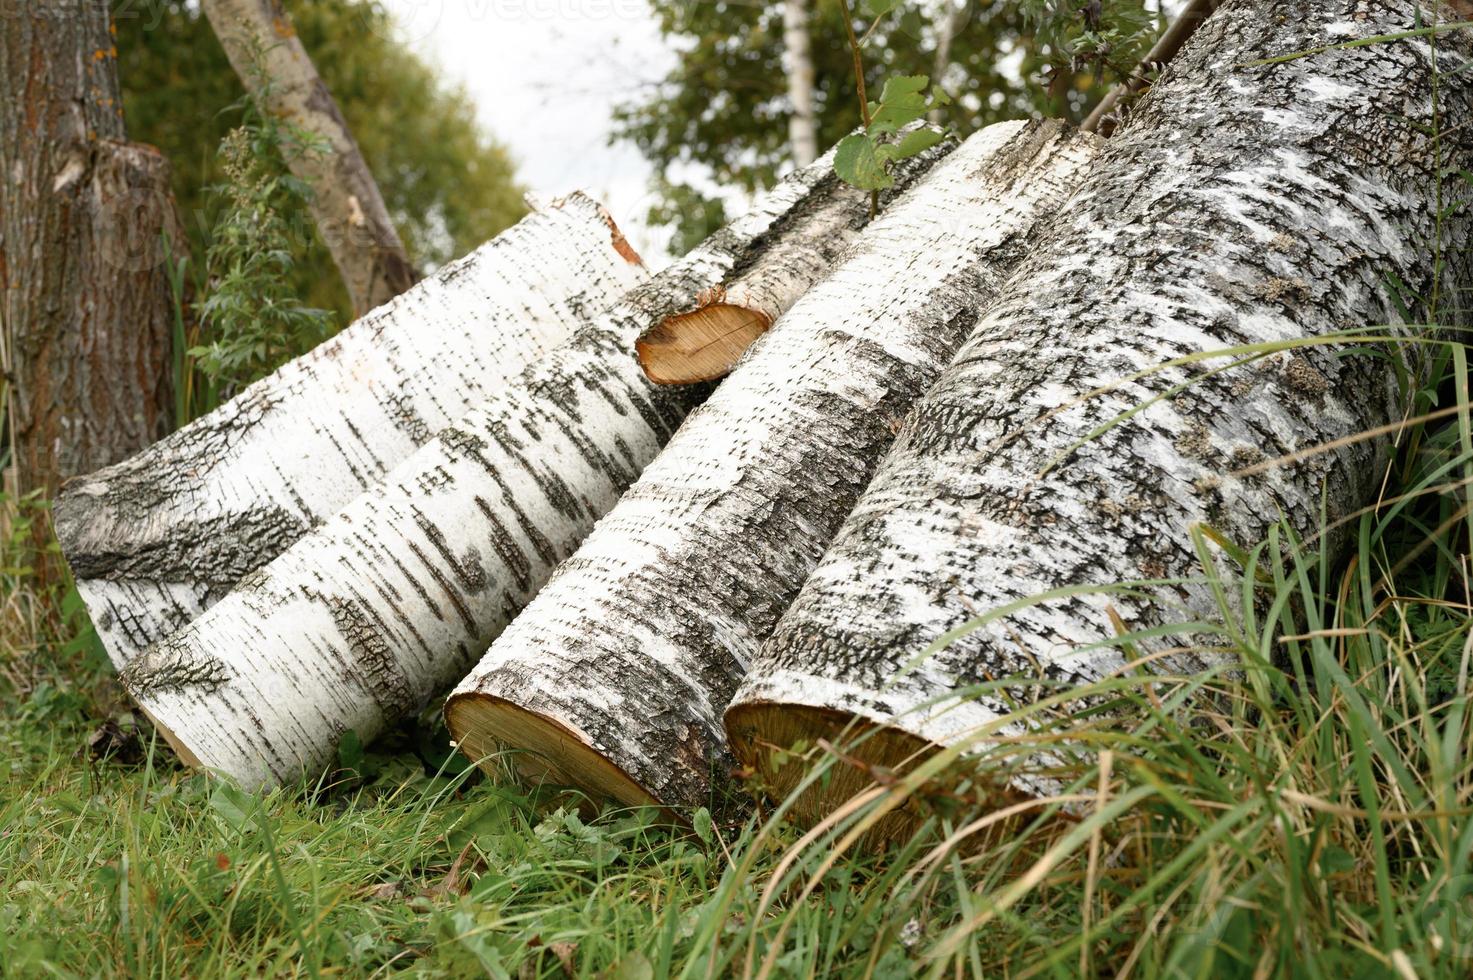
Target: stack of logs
x=517, y=478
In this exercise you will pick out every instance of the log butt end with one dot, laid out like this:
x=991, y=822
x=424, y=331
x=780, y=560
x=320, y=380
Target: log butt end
x=699, y=345
x=180, y=749
x=760, y=733
x=540, y=748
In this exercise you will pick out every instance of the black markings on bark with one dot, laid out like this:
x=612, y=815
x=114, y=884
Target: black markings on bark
x=171, y=666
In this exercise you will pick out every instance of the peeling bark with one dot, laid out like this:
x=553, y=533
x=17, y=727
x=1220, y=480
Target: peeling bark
x=346, y=202
x=628, y=656
x=1239, y=204
x=86, y=312
x=394, y=598
x=155, y=540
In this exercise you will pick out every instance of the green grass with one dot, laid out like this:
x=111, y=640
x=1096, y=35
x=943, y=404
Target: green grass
x=1308, y=816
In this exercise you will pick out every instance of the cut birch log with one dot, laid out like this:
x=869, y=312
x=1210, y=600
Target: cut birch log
x=158, y=538
x=703, y=343
x=614, y=678
x=394, y=598
x=1240, y=204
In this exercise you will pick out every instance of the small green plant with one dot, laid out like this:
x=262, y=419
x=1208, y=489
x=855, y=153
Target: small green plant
x=250, y=317
x=864, y=159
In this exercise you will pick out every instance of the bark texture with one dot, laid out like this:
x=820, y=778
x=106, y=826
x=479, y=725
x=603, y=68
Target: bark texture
x=638, y=641
x=392, y=600
x=85, y=318
x=1240, y=204
x=155, y=540
x=263, y=47
x=798, y=63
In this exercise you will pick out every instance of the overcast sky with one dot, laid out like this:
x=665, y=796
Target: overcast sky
x=545, y=76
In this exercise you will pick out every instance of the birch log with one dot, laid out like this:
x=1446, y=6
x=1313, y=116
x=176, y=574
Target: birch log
x=701, y=342
x=158, y=538
x=392, y=600
x=1240, y=204
x=615, y=676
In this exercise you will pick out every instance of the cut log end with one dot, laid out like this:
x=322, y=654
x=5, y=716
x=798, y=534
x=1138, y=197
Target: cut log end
x=547, y=751
x=761, y=733
x=867, y=751
x=180, y=749
x=699, y=345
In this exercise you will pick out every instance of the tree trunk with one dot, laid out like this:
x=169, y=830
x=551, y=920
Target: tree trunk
x=85, y=320
x=155, y=540
x=798, y=63
x=952, y=18
x=397, y=596
x=624, y=662
x=263, y=47
x=1240, y=204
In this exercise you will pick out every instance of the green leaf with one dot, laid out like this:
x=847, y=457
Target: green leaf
x=858, y=161
x=879, y=8
x=917, y=141
x=701, y=821
x=902, y=101
x=898, y=87
x=233, y=805
x=350, y=753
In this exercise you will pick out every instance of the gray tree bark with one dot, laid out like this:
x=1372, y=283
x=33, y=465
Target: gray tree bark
x=263, y=47
x=85, y=317
x=394, y=598
x=616, y=675
x=156, y=539
x=1240, y=204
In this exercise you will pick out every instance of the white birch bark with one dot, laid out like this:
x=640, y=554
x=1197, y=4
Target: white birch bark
x=1240, y=204
x=158, y=538
x=631, y=651
x=798, y=63
x=394, y=598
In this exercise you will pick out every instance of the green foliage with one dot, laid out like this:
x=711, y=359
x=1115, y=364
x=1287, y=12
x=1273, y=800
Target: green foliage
x=448, y=186
x=249, y=315
x=862, y=159
x=723, y=107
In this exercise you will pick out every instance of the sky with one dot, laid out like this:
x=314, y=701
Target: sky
x=545, y=76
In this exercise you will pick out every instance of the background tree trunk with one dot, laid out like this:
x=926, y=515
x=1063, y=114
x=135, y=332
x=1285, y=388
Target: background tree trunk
x=158, y=538
x=351, y=216
x=397, y=596
x=798, y=64
x=630, y=653
x=85, y=319
x=1241, y=204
